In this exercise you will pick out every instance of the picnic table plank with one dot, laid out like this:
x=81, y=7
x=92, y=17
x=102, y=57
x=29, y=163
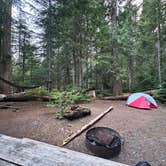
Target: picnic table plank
x=29, y=152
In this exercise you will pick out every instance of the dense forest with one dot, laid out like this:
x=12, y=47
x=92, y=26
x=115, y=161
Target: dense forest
x=105, y=44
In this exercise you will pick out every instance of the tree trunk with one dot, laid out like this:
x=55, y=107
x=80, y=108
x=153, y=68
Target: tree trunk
x=49, y=45
x=23, y=61
x=74, y=68
x=158, y=43
x=117, y=88
x=5, y=47
x=117, y=85
x=130, y=73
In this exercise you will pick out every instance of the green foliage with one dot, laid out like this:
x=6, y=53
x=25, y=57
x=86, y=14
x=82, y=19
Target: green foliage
x=40, y=91
x=161, y=95
x=59, y=115
x=71, y=96
x=65, y=98
x=84, y=44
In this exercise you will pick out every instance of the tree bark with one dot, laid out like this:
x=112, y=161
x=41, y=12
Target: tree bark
x=117, y=84
x=117, y=88
x=158, y=43
x=5, y=47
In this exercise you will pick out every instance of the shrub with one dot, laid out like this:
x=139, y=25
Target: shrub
x=65, y=98
x=40, y=91
x=161, y=95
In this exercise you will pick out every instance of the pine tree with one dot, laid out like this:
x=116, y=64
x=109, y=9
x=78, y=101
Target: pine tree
x=5, y=44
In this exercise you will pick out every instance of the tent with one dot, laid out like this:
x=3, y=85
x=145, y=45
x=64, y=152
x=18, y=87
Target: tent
x=141, y=100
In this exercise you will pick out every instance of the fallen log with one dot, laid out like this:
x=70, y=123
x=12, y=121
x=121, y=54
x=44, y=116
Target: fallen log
x=71, y=137
x=76, y=112
x=2, y=97
x=17, y=86
x=8, y=107
x=151, y=92
x=120, y=97
x=21, y=97
x=126, y=95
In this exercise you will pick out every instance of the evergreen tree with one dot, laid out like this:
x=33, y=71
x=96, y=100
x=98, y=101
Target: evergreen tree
x=5, y=44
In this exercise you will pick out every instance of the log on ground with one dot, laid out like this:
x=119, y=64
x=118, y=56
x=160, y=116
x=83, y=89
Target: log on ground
x=76, y=112
x=21, y=97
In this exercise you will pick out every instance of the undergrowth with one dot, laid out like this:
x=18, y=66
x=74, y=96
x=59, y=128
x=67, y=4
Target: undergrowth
x=161, y=94
x=62, y=98
x=65, y=98
x=40, y=91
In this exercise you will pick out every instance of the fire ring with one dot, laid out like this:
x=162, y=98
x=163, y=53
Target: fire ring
x=103, y=142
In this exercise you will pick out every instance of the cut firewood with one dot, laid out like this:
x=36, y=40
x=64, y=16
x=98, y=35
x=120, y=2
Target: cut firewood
x=70, y=138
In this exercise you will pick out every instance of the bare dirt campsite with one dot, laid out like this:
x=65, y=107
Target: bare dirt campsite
x=143, y=131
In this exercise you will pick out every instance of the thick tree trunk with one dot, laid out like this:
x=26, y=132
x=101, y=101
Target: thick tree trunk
x=117, y=85
x=5, y=47
x=117, y=88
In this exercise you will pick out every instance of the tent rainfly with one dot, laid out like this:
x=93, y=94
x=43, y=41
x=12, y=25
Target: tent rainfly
x=141, y=100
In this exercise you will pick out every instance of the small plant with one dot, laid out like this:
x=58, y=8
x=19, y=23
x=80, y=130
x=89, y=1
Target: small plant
x=59, y=115
x=40, y=91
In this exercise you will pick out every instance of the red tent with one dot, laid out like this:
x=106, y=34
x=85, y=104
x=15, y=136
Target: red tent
x=141, y=100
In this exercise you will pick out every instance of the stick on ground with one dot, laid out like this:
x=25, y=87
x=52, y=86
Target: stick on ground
x=70, y=138
x=8, y=107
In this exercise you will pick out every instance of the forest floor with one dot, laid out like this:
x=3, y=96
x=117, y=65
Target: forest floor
x=144, y=131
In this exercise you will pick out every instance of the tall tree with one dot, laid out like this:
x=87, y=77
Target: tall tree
x=5, y=44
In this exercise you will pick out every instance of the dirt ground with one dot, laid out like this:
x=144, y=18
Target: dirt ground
x=144, y=131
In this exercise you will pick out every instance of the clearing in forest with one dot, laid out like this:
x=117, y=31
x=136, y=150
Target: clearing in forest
x=144, y=131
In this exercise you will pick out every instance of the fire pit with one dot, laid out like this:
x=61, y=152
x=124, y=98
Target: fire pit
x=104, y=142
